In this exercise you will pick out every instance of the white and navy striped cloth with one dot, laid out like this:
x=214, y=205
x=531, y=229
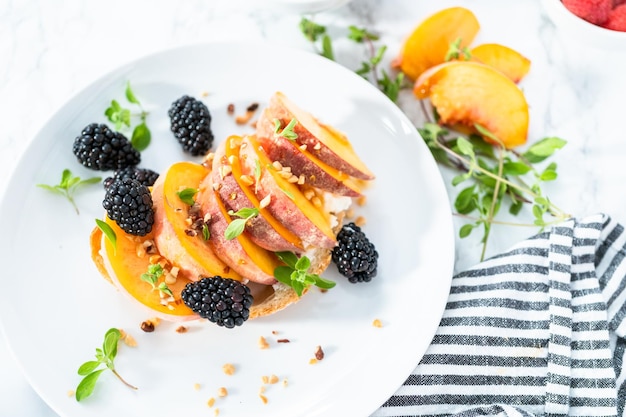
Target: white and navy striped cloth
x=537, y=331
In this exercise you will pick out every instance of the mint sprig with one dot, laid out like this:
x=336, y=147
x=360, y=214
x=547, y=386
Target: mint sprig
x=295, y=273
x=67, y=186
x=121, y=117
x=186, y=195
x=91, y=370
x=155, y=271
x=287, y=132
x=237, y=226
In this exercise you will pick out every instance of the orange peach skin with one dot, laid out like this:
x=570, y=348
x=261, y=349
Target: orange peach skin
x=429, y=43
x=508, y=61
x=470, y=93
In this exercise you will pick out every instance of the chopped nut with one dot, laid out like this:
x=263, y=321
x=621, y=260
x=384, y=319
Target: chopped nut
x=301, y=179
x=293, y=179
x=211, y=402
x=312, y=361
x=140, y=250
x=350, y=213
x=147, y=326
x=246, y=179
x=273, y=379
x=302, y=147
x=204, y=94
x=360, y=221
x=233, y=196
x=169, y=279
x=70, y=393
x=154, y=259
x=262, y=389
x=181, y=329
x=252, y=107
x=274, y=332
x=361, y=200
x=377, y=323
x=128, y=339
x=228, y=368
x=230, y=109
x=263, y=343
x=285, y=382
x=263, y=398
x=317, y=146
x=265, y=379
x=277, y=165
x=309, y=194
x=222, y=392
x=319, y=353
x=316, y=201
x=283, y=341
x=196, y=387
x=216, y=412
x=232, y=159
x=174, y=271
x=265, y=201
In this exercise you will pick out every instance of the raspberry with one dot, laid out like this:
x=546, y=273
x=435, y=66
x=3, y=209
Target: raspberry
x=223, y=301
x=129, y=204
x=355, y=256
x=190, y=120
x=593, y=11
x=617, y=19
x=145, y=176
x=100, y=148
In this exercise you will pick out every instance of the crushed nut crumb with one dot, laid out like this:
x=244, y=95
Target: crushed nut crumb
x=230, y=109
x=312, y=361
x=319, y=353
x=70, y=393
x=222, y=392
x=283, y=340
x=147, y=326
x=360, y=221
x=211, y=402
x=263, y=343
x=263, y=398
x=228, y=368
x=265, y=379
x=196, y=386
x=377, y=323
x=285, y=383
x=273, y=379
x=181, y=329
x=127, y=339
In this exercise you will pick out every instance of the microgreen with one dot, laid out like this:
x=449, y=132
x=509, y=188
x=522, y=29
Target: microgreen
x=388, y=84
x=236, y=226
x=257, y=174
x=121, y=118
x=91, y=370
x=287, y=132
x=155, y=271
x=108, y=232
x=497, y=175
x=295, y=273
x=186, y=195
x=456, y=52
x=206, y=234
x=67, y=186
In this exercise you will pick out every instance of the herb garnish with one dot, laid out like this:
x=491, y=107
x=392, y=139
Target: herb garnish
x=295, y=274
x=236, y=227
x=287, y=132
x=456, y=52
x=155, y=271
x=369, y=69
x=186, y=195
x=498, y=174
x=121, y=117
x=68, y=185
x=105, y=356
x=108, y=232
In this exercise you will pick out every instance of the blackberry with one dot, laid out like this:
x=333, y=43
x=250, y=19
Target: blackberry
x=100, y=148
x=223, y=301
x=190, y=121
x=129, y=204
x=145, y=176
x=355, y=256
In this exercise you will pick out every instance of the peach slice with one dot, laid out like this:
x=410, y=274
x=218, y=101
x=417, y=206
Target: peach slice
x=287, y=202
x=471, y=93
x=234, y=191
x=243, y=255
x=126, y=268
x=188, y=251
x=507, y=60
x=429, y=43
x=324, y=142
x=302, y=162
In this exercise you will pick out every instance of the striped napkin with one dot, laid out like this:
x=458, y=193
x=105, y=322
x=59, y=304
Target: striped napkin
x=537, y=331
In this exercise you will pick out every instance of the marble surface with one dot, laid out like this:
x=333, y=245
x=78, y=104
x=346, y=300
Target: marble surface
x=50, y=50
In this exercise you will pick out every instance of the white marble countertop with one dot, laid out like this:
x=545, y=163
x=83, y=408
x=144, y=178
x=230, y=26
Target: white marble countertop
x=50, y=50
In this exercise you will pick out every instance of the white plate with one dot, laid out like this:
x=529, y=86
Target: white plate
x=56, y=308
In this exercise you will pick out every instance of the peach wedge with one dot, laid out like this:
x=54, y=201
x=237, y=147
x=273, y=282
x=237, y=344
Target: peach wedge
x=429, y=43
x=470, y=93
x=508, y=61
